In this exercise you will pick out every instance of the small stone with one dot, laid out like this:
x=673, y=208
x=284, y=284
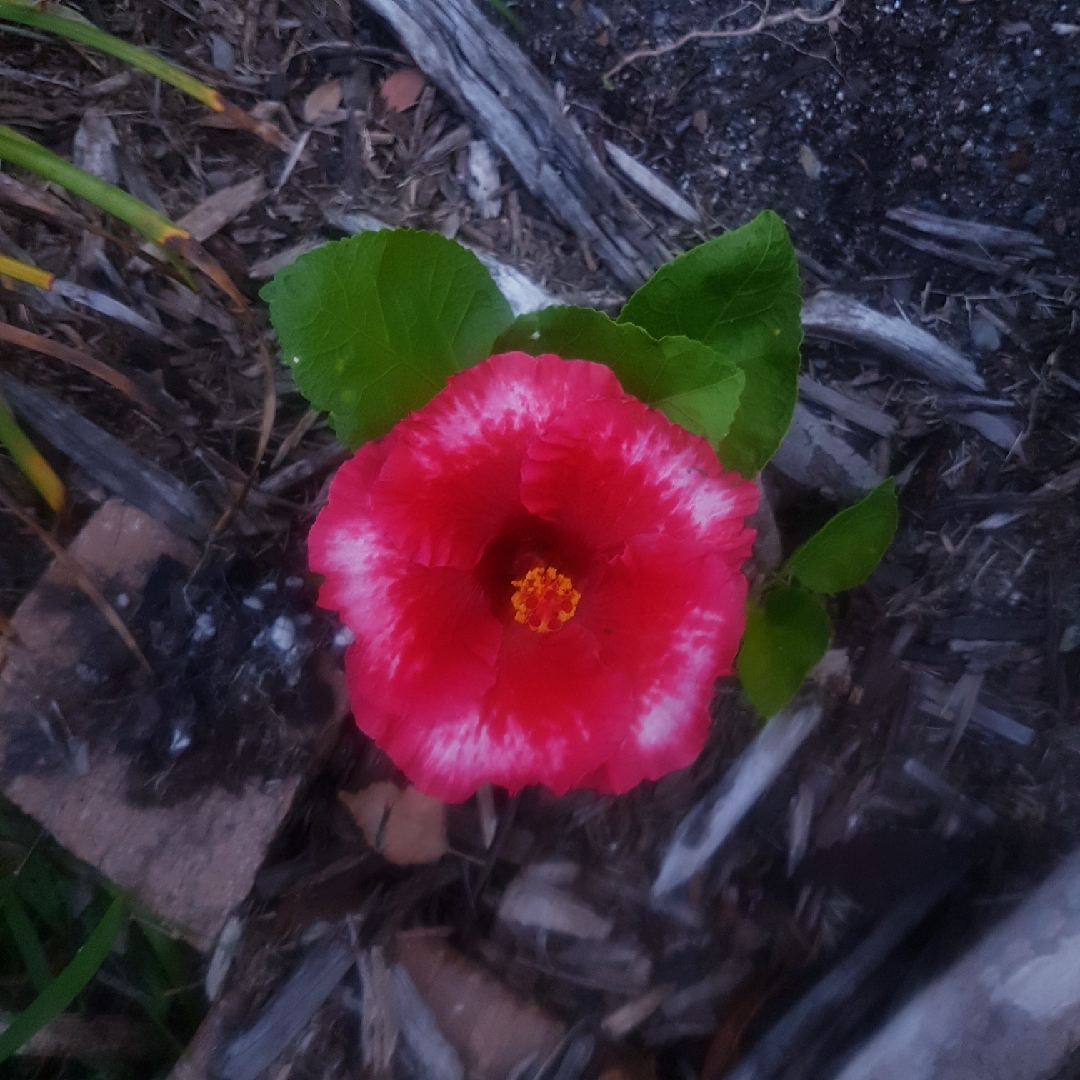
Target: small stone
x=253, y=603
x=283, y=634
x=810, y=163
x=223, y=56
x=1060, y=225
x=919, y=162
x=1035, y=216
x=1025, y=179
x=700, y=121
x=985, y=336
x=204, y=628
x=1016, y=128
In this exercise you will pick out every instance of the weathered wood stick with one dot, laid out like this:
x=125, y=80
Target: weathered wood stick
x=507, y=100
x=842, y=318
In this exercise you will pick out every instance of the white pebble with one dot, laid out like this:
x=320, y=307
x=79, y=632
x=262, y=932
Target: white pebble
x=283, y=634
x=344, y=637
x=204, y=627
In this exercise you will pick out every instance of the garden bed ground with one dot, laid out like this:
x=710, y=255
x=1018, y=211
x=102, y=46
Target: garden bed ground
x=948, y=757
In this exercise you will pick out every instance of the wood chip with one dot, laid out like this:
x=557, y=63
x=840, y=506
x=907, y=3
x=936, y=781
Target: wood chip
x=292, y=1007
x=850, y=408
x=491, y=1029
x=322, y=101
x=534, y=902
x=709, y=823
x=812, y=454
x=222, y=207
x=646, y=181
x=619, y=1024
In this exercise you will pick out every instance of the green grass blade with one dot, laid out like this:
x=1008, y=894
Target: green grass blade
x=60, y=993
x=26, y=153
x=26, y=937
x=87, y=34
x=29, y=460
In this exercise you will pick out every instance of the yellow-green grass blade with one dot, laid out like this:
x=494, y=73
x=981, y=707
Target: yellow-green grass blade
x=20, y=150
x=29, y=460
x=69, y=25
x=21, y=271
x=87, y=34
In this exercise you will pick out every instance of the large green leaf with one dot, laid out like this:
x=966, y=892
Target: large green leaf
x=372, y=326
x=685, y=379
x=844, y=552
x=739, y=294
x=785, y=637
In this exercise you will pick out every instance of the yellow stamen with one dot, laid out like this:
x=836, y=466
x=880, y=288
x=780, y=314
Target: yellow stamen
x=544, y=600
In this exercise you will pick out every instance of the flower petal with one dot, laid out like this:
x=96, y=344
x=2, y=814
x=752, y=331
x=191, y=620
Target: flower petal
x=670, y=620
x=612, y=470
x=426, y=638
x=554, y=713
x=453, y=476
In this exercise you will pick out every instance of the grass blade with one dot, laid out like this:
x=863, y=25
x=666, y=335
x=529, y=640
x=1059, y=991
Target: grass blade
x=87, y=34
x=20, y=150
x=26, y=937
x=29, y=460
x=76, y=29
x=60, y=993
x=21, y=271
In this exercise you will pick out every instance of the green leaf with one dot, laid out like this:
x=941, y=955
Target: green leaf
x=372, y=326
x=60, y=993
x=844, y=552
x=685, y=379
x=739, y=294
x=785, y=637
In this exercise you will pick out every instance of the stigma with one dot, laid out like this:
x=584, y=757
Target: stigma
x=544, y=600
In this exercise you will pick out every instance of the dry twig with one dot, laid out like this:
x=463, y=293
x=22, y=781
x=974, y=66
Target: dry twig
x=764, y=22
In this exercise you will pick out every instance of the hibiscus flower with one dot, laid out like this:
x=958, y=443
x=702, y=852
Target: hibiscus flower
x=542, y=575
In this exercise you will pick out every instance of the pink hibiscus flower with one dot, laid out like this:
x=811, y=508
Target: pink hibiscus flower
x=543, y=578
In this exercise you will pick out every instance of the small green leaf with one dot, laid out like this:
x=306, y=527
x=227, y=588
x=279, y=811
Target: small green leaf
x=372, y=326
x=785, y=637
x=60, y=993
x=685, y=379
x=739, y=294
x=844, y=552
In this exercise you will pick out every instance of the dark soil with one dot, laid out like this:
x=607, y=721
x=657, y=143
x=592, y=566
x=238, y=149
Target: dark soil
x=968, y=110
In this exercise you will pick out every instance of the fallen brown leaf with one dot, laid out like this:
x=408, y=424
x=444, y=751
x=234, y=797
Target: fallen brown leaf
x=322, y=101
x=406, y=827
x=402, y=90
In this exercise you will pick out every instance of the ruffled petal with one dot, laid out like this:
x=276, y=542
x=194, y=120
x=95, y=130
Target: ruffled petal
x=426, y=639
x=554, y=713
x=670, y=620
x=613, y=470
x=453, y=476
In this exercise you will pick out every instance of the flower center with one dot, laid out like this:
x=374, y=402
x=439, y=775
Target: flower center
x=544, y=599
